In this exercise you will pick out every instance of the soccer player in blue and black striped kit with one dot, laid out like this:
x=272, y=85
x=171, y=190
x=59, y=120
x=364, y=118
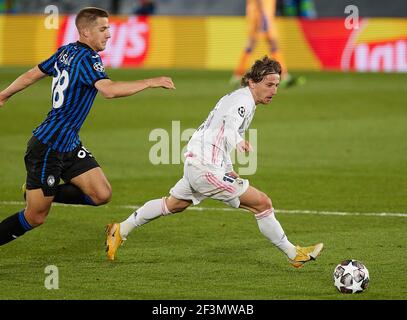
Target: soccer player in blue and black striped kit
x=55, y=151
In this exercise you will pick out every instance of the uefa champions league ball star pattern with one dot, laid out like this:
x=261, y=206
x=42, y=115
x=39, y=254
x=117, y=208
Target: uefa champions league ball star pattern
x=351, y=276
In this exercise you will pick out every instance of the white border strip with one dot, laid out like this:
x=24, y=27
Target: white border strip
x=311, y=212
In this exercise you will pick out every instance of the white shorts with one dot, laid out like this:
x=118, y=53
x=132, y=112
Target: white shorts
x=199, y=183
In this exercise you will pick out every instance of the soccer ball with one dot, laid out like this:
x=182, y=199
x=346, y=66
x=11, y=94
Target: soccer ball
x=351, y=276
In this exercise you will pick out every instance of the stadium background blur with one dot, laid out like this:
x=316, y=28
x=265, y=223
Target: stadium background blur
x=210, y=34
x=332, y=153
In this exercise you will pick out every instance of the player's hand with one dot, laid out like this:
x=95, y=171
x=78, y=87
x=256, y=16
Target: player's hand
x=2, y=101
x=162, y=82
x=244, y=146
x=232, y=174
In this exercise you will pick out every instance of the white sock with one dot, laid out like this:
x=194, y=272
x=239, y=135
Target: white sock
x=272, y=230
x=149, y=211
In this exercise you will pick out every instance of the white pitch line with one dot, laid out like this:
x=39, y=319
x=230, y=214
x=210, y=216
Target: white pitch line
x=311, y=212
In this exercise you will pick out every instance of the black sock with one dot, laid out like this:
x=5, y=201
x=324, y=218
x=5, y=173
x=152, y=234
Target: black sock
x=13, y=227
x=71, y=194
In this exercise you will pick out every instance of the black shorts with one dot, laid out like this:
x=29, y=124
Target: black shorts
x=45, y=166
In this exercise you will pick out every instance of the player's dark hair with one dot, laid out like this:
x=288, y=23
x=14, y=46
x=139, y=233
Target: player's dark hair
x=88, y=16
x=260, y=69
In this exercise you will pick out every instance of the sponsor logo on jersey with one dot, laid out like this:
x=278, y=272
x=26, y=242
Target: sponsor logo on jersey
x=65, y=59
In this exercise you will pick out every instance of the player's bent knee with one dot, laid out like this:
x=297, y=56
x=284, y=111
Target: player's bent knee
x=175, y=205
x=265, y=203
x=102, y=197
x=35, y=219
x=178, y=207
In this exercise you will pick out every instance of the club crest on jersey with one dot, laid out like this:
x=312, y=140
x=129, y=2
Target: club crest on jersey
x=241, y=111
x=98, y=67
x=51, y=181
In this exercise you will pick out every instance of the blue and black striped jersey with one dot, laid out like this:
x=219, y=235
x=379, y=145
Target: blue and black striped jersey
x=75, y=69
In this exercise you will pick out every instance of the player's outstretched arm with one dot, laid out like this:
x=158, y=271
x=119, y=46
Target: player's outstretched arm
x=25, y=80
x=116, y=89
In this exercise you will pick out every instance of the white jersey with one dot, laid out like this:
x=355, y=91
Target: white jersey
x=224, y=128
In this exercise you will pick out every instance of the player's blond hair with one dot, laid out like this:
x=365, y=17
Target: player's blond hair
x=260, y=69
x=88, y=16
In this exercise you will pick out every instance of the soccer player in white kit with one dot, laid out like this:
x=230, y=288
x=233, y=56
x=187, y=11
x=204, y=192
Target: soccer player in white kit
x=208, y=170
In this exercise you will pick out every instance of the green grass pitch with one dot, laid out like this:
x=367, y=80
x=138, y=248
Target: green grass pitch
x=336, y=144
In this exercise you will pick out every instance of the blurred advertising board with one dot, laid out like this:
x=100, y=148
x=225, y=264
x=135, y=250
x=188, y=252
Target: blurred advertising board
x=215, y=43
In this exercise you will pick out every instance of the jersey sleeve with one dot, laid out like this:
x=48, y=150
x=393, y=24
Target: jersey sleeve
x=233, y=121
x=92, y=70
x=48, y=65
